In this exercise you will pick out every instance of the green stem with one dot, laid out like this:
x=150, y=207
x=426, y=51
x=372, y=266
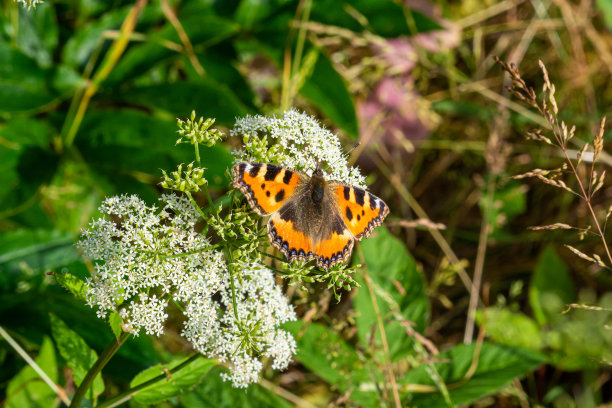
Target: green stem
x=195, y=205
x=197, y=153
x=127, y=395
x=71, y=126
x=228, y=253
x=104, y=358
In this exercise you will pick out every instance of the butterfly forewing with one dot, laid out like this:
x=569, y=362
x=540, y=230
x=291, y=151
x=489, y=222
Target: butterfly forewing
x=360, y=210
x=266, y=186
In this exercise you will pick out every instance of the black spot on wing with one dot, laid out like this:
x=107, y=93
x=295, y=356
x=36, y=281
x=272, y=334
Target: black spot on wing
x=373, y=202
x=267, y=193
x=279, y=196
x=359, y=195
x=287, y=176
x=349, y=214
x=263, y=186
x=254, y=169
x=271, y=172
x=347, y=193
x=242, y=168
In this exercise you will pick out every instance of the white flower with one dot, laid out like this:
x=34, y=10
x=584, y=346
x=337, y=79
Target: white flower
x=219, y=331
x=304, y=144
x=146, y=256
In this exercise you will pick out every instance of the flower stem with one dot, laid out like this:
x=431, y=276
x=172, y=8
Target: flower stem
x=104, y=358
x=127, y=395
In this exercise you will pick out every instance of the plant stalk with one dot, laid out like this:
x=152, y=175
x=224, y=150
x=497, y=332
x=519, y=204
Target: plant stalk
x=104, y=358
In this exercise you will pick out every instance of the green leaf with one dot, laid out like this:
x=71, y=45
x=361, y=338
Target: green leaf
x=605, y=7
x=400, y=293
x=21, y=172
x=326, y=354
x=21, y=132
x=77, y=354
x=82, y=44
x=551, y=287
x=508, y=202
x=122, y=144
x=173, y=384
x=115, y=322
x=70, y=282
x=213, y=392
x=327, y=90
x=496, y=367
x=208, y=98
x=203, y=30
x=27, y=389
x=510, y=328
x=250, y=12
x=24, y=86
x=38, y=250
x=38, y=32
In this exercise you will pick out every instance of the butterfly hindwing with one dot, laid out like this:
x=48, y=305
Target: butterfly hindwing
x=360, y=210
x=266, y=186
x=296, y=245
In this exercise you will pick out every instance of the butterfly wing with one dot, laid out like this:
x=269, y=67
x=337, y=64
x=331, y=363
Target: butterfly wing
x=266, y=186
x=297, y=242
x=360, y=210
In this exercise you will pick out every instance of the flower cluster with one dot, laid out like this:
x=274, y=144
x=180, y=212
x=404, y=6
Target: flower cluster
x=146, y=257
x=303, y=144
x=29, y=3
x=231, y=332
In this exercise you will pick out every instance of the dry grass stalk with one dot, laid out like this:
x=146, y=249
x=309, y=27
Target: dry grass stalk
x=547, y=107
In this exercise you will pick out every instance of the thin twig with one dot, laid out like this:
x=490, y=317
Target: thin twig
x=178, y=27
x=383, y=338
x=61, y=393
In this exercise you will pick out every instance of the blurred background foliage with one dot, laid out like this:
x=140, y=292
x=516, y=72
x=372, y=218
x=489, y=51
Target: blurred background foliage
x=89, y=95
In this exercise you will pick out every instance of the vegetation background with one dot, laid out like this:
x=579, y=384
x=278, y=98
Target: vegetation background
x=460, y=302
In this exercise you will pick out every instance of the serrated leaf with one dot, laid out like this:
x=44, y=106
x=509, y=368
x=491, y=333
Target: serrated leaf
x=77, y=354
x=27, y=389
x=399, y=289
x=72, y=283
x=174, y=384
x=497, y=366
x=115, y=322
x=550, y=288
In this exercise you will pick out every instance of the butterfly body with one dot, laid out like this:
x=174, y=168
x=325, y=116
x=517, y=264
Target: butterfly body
x=310, y=217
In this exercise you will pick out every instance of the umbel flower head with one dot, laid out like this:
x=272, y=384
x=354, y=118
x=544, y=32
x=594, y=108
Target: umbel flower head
x=146, y=257
x=301, y=143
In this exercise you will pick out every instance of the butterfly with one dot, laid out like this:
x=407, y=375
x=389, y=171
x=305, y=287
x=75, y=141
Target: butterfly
x=310, y=217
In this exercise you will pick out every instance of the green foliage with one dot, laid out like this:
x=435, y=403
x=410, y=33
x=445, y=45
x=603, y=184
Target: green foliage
x=70, y=282
x=26, y=388
x=79, y=357
x=213, y=392
x=400, y=294
x=551, y=287
x=51, y=186
x=496, y=366
x=175, y=383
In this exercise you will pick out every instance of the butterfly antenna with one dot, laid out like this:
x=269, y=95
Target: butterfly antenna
x=349, y=152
